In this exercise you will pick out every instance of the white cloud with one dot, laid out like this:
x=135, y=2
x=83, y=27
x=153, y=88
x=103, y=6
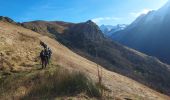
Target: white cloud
x=136, y=14
x=99, y=19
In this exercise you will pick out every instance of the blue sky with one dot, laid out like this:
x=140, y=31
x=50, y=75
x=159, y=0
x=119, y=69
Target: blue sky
x=100, y=11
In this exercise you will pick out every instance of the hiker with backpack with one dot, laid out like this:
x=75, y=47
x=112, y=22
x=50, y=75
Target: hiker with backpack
x=45, y=55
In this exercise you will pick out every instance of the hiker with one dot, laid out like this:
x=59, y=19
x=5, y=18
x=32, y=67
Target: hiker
x=44, y=58
x=49, y=54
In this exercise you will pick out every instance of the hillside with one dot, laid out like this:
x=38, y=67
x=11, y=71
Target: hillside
x=149, y=34
x=87, y=40
x=43, y=27
x=20, y=49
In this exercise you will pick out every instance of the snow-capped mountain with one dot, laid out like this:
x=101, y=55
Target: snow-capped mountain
x=108, y=30
x=149, y=33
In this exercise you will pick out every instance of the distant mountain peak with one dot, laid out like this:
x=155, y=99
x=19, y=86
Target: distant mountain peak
x=87, y=30
x=108, y=30
x=90, y=22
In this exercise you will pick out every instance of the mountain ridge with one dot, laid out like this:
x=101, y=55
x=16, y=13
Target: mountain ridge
x=149, y=34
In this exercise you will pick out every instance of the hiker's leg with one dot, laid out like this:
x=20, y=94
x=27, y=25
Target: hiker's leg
x=49, y=59
x=42, y=64
x=45, y=62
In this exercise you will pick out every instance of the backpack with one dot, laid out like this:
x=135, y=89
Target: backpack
x=46, y=54
x=49, y=51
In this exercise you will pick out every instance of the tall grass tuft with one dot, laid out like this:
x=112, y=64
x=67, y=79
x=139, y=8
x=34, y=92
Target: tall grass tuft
x=63, y=83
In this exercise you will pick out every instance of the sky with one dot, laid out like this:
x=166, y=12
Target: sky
x=108, y=12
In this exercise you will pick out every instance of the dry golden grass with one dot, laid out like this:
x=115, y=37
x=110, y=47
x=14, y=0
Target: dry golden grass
x=20, y=49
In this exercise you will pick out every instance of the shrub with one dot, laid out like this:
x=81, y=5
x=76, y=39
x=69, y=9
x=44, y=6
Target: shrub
x=63, y=83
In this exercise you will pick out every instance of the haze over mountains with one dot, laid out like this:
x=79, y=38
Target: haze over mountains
x=149, y=34
x=87, y=40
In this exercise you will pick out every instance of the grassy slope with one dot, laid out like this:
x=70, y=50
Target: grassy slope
x=20, y=49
